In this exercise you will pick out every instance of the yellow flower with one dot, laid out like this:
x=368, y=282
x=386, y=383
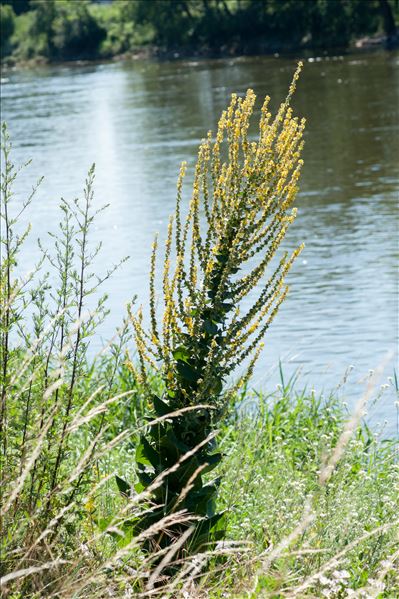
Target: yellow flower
x=90, y=505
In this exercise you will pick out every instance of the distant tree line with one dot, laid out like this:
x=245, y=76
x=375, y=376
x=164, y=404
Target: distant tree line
x=68, y=30
x=52, y=29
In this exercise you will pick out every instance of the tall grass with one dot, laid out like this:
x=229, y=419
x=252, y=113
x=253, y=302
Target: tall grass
x=53, y=398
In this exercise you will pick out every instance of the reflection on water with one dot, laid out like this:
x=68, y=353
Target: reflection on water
x=138, y=120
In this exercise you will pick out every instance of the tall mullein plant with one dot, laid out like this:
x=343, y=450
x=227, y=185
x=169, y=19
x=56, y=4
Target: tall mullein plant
x=240, y=211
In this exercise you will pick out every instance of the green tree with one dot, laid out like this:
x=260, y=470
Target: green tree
x=65, y=30
x=173, y=22
x=41, y=29
x=389, y=22
x=18, y=6
x=75, y=33
x=7, y=26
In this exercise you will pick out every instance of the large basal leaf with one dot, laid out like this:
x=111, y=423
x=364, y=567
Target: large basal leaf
x=171, y=436
x=161, y=407
x=181, y=353
x=123, y=486
x=212, y=460
x=149, y=452
x=187, y=372
x=141, y=454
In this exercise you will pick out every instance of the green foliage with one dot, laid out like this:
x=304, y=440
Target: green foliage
x=172, y=23
x=7, y=26
x=58, y=30
x=18, y=6
x=69, y=423
x=123, y=33
x=252, y=25
x=275, y=447
x=290, y=531
x=69, y=30
x=75, y=33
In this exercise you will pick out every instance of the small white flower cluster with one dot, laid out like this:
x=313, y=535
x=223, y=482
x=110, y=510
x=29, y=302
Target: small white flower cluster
x=335, y=584
x=377, y=585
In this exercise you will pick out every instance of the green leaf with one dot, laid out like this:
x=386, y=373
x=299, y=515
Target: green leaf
x=171, y=436
x=170, y=451
x=181, y=353
x=217, y=386
x=227, y=306
x=187, y=372
x=161, y=407
x=103, y=523
x=210, y=327
x=123, y=486
x=222, y=258
x=141, y=456
x=212, y=460
x=150, y=452
x=209, y=531
x=144, y=478
x=184, y=473
x=202, y=501
x=139, y=487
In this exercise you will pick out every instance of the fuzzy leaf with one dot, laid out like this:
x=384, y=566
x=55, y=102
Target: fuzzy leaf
x=161, y=407
x=181, y=353
x=210, y=327
x=187, y=372
x=123, y=486
x=150, y=452
x=177, y=442
x=213, y=460
x=141, y=455
x=144, y=478
x=139, y=487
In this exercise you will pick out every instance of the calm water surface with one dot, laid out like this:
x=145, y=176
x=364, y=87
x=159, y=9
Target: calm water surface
x=137, y=121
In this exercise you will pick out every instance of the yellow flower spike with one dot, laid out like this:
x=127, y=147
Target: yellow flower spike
x=245, y=190
x=90, y=505
x=129, y=365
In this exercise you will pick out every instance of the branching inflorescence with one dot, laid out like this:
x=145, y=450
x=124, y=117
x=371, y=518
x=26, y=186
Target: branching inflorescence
x=240, y=210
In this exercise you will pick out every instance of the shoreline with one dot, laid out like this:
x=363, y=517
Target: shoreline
x=359, y=46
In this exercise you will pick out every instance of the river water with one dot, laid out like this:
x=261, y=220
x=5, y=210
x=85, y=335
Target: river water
x=138, y=120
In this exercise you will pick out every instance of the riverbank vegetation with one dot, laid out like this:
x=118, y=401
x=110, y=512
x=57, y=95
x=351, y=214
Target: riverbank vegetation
x=60, y=30
x=90, y=444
